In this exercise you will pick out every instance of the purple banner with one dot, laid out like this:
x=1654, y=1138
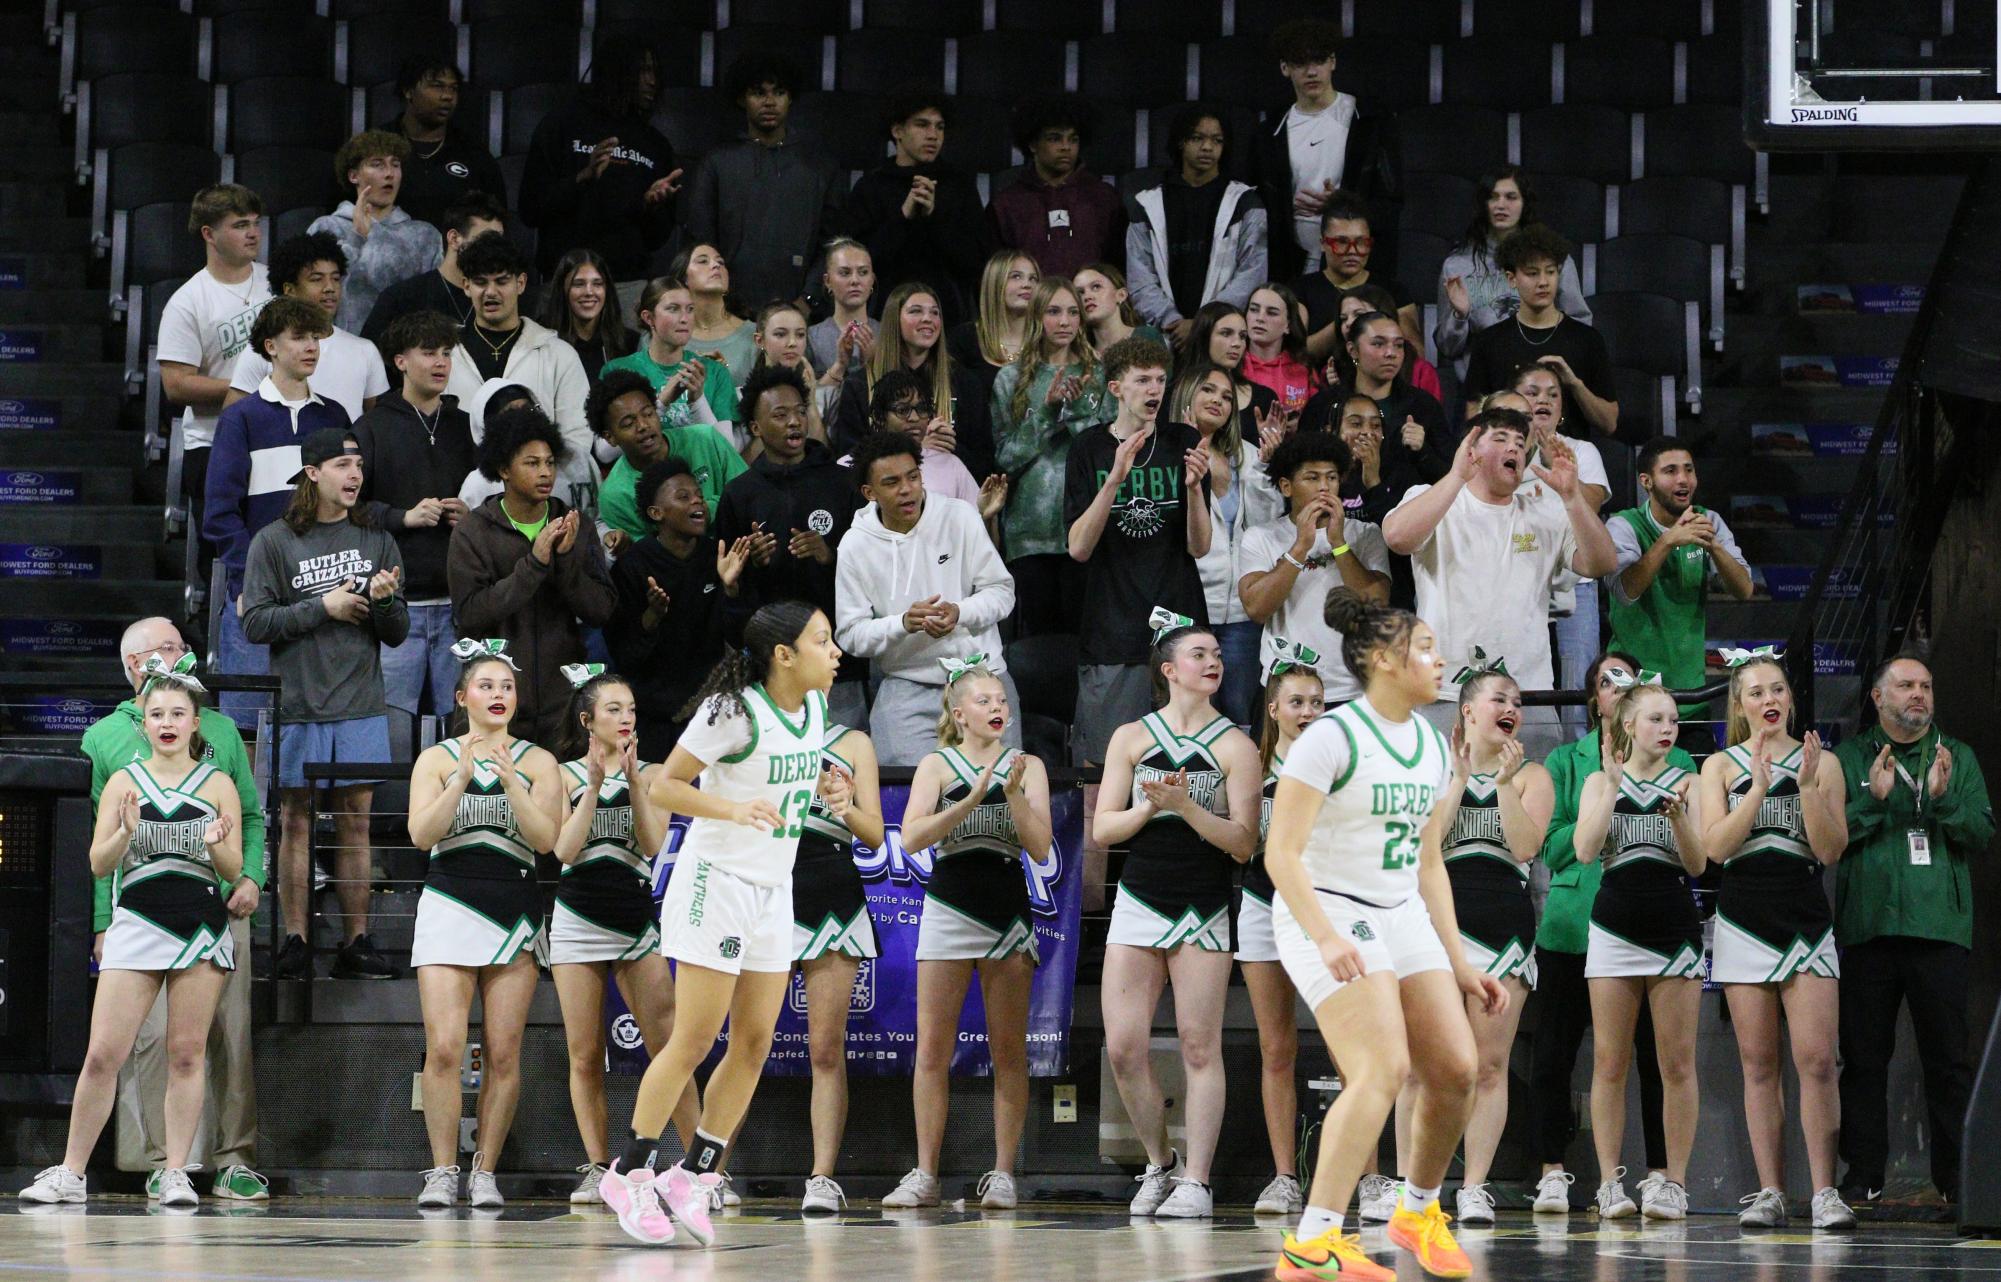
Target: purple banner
x=52, y=560
x=882, y=1010
x=40, y=487
x=58, y=714
x=13, y=272
x=60, y=636
x=1837, y=371
x=1863, y=300
x=1815, y=440
x=30, y=414
x=1792, y=582
x=21, y=345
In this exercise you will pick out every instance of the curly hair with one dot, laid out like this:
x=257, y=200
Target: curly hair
x=1301, y=448
x=294, y=254
x=779, y=623
x=1531, y=244
x=511, y=431
x=876, y=446
x=618, y=383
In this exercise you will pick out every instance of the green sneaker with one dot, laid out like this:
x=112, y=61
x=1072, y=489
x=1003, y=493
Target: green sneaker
x=241, y=1184
x=153, y=1184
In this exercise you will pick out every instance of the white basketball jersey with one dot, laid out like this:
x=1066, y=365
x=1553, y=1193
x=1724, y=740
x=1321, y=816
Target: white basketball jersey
x=763, y=754
x=1382, y=781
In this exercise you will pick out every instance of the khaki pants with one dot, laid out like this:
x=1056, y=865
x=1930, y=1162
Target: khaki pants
x=227, y=1135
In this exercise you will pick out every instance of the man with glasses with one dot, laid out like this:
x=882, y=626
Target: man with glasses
x=112, y=743
x=902, y=403
x=445, y=164
x=1348, y=244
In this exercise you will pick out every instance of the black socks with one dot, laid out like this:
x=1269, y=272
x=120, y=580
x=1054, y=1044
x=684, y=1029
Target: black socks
x=706, y=1155
x=640, y=1152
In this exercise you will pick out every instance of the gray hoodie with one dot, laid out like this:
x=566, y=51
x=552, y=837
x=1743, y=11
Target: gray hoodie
x=396, y=248
x=1493, y=300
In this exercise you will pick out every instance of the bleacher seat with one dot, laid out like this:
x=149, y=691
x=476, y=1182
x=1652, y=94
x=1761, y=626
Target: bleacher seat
x=1551, y=19
x=504, y=53
x=1648, y=407
x=995, y=64
x=144, y=173
x=106, y=41
x=940, y=17
x=1047, y=19
x=682, y=64
x=1573, y=206
x=1438, y=204
x=696, y=121
x=520, y=11
x=849, y=126
x=1678, y=267
x=148, y=244
x=1182, y=19
x=1259, y=18
x=667, y=15
x=263, y=42
x=1922, y=18
x=293, y=222
x=1144, y=68
x=1703, y=140
x=370, y=48
x=1709, y=210
x=875, y=61
x=384, y=102
x=1241, y=71
x=284, y=111
x=1419, y=256
x=1384, y=75
x=409, y=10
x=1509, y=72
x=521, y=109
x=1714, y=70
x=810, y=51
x=287, y=177
x=216, y=8
x=1654, y=334
x=1667, y=21
x=822, y=17
x=1113, y=147
x=1579, y=138
x=1428, y=20
x=979, y=136
x=1453, y=138
x=1632, y=72
x=141, y=106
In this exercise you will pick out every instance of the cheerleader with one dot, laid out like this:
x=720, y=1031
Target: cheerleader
x=1493, y=814
x=1294, y=697
x=756, y=731
x=1180, y=795
x=832, y=935
x=1366, y=929
x=603, y=923
x=982, y=804
x=483, y=804
x=168, y=835
x=1777, y=809
x=1641, y=815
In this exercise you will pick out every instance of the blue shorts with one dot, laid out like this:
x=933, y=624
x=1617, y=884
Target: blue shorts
x=237, y=655
x=362, y=739
x=426, y=652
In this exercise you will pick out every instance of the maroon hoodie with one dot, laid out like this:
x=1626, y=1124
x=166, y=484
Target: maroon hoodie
x=1064, y=229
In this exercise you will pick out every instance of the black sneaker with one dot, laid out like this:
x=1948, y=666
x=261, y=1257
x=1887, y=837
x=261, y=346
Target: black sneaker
x=293, y=961
x=358, y=959
x=1857, y=1193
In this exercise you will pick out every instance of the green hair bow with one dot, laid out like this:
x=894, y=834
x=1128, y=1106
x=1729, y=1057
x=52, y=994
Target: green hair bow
x=1164, y=621
x=1733, y=658
x=1647, y=677
x=1479, y=666
x=1291, y=656
x=956, y=668
x=467, y=650
x=580, y=674
x=180, y=673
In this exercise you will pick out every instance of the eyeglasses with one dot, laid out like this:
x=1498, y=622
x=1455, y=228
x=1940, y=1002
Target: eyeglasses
x=912, y=409
x=1350, y=244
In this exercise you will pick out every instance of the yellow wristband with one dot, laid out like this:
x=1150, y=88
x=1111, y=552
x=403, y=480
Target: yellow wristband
x=1338, y=551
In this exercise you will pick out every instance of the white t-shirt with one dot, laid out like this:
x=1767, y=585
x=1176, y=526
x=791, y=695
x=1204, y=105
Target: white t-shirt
x=1590, y=471
x=1381, y=780
x=206, y=324
x=760, y=753
x=1299, y=618
x=1483, y=579
x=1317, y=145
x=350, y=371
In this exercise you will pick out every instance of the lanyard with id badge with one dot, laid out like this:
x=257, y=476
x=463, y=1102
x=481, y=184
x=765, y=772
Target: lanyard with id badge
x=1917, y=838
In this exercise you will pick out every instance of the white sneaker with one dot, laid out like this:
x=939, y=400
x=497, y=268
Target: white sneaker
x=1153, y=1185
x=1654, y=1180
x=1281, y=1197
x=482, y=1190
x=997, y=1191
x=1476, y=1206
x=176, y=1189
x=1186, y=1201
x=1378, y=1197
x=1613, y=1204
x=1666, y=1200
x=1830, y=1212
x=723, y=1193
x=588, y=1191
x=441, y=1186
x=1552, y=1193
x=1765, y=1209
x=55, y=1184
x=917, y=1189
x=823, y=1195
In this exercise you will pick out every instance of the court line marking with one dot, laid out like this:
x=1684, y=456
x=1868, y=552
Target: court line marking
x=1796, y=1264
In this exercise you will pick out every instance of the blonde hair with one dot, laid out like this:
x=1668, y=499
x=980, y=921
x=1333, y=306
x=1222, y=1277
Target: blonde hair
x=993, y=303
x=949, y=734
x=1627, y=710
x=1037, y=351
x=889, y=347
x=1229, y=437
x=1739, y=724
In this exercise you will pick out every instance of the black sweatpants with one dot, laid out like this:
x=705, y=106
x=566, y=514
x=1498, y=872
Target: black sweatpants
x=1877, y=978
x=1563, y=1012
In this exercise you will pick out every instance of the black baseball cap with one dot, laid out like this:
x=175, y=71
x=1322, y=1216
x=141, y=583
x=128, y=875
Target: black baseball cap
x=326, y=443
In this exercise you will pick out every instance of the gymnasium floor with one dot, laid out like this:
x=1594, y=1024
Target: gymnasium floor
x=314, y=1240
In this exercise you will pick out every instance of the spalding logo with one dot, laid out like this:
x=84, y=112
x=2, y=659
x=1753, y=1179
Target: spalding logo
x=625, y=1033
x=457, y=169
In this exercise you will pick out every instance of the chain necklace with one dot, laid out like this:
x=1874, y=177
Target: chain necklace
x=431, y=427
x=500, y=348
x=436, y=147
x=1523, y=331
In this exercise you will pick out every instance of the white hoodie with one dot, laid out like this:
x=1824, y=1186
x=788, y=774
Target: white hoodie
x=878, y=574
x=545, y=365
x=576, y=476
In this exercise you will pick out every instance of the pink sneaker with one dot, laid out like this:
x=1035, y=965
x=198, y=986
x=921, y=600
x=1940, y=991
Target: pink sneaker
x=636, y=1198
x=687, y=1199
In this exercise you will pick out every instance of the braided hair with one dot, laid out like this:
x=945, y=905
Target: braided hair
x=779, y=623
x=1366, y=628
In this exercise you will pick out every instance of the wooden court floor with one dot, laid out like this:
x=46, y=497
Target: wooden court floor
x=329, y=1240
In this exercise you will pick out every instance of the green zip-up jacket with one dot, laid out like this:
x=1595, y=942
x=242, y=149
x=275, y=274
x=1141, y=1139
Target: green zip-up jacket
x=1877, y=889
x=120, y=738
x=1566, y=916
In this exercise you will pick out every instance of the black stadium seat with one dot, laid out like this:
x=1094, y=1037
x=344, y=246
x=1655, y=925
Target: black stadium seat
x=1715, y=70
x=238, y=46
x=667, y=15
x=216, y=8
x=995, y=64
x=1383, y=74
x=940, y=17
x=1182, y=19
x=1259, y=18
x=1429, y=20
x=1111, y=149
x=1678, y=267
x=1699, y=140
x=370, y=48
x=1550, y=19
x=520, y=11
x=1573, y=206
x=103, y=42
x=1705, y=208
x=285, y=111
x=294, y=222
x=1240, y=70
x=522, y=109
x=144, y=173
x=407, y=10
x=1510, y=72
x=1438, y=204
x=1047, y=19
x=1419, y=256
x=1633, y=72
x=1453, y=139
x=1144, y=69
x=679, y=61
x=878, y=61
x=288, y=177
x=141, y=106
x=695, y=121
x=507, y=53
x=822, y=17
x=807, y=49
x=1578, y=138
x=1669, y=21
x=850, y=126
x=1653, y=334
x=979, y=135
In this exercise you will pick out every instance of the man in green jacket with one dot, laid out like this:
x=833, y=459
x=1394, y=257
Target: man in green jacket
x=232, y=1085
x=1918, y=815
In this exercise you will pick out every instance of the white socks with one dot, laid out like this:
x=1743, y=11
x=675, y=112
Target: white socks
x=1416, y=1199
x=1316, y=1220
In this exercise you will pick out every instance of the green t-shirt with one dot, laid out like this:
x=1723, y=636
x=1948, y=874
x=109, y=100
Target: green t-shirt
x=718, y=388
x=528, y=529
x=707, y=451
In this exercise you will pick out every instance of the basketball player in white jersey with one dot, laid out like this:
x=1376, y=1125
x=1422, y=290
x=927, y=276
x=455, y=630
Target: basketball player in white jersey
x=1365, y=927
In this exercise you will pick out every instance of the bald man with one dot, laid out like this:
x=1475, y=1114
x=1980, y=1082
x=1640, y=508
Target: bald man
x=232, y=1086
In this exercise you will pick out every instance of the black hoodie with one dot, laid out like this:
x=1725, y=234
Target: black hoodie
x=945, y=249
x=609, y=213
x=405, y=459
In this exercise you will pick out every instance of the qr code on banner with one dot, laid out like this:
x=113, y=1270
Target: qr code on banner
x=861, y=999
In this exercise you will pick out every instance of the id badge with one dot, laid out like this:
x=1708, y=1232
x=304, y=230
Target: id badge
x=1921, y=847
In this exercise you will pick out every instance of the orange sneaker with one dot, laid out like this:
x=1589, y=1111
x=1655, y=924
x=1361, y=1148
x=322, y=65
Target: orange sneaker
x=1332, y=1255
x=1429, y=1238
